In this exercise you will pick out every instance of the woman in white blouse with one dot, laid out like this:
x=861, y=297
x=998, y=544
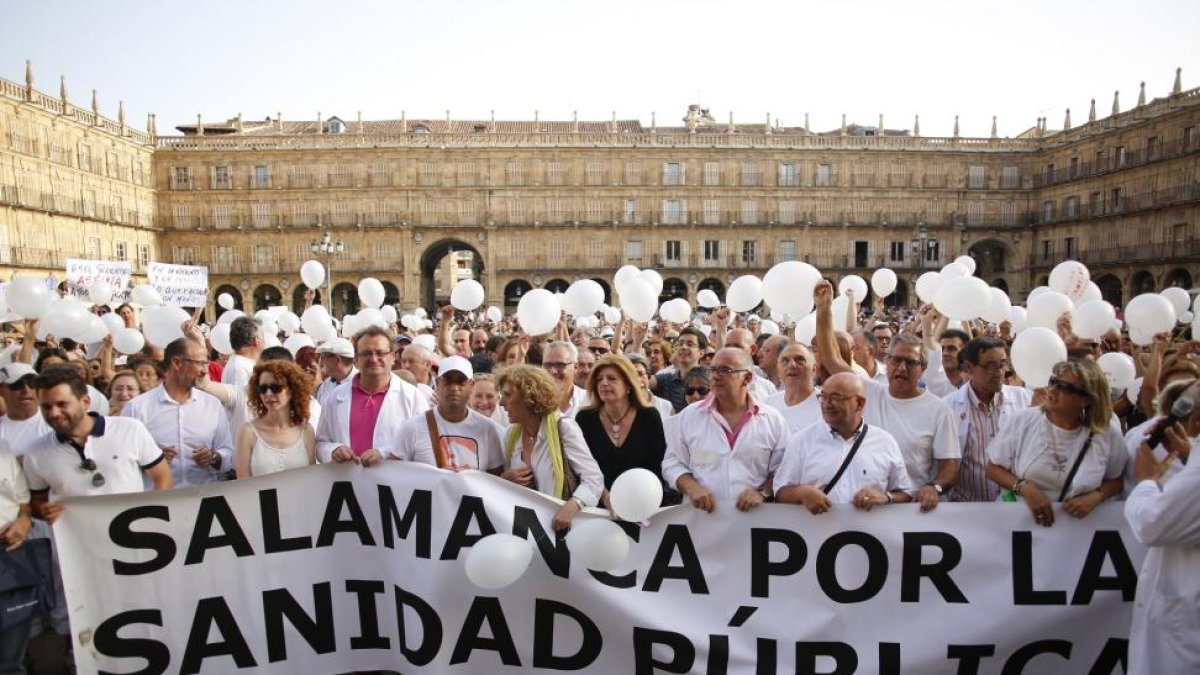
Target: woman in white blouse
x=1037, y=454
x=543, y=450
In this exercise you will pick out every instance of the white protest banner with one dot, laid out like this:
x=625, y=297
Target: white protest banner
x=81, y=274
x=340, y=568
x=180, y=285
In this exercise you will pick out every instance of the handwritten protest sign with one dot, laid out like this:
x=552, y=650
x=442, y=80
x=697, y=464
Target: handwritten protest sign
x=181, y=285
x=81, y=274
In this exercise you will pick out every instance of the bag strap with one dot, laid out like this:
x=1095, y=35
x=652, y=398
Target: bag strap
x=439, y=453
x=1074, y=469
x=846, y=462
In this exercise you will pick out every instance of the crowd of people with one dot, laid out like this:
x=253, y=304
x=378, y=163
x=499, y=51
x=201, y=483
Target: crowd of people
x=885, y=406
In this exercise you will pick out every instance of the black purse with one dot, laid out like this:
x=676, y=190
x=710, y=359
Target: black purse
x=24, y=582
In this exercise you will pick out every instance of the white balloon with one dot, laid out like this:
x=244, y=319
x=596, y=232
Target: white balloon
x=583, y=297
x=927, y=285
x=218, y=337
x=788, y=286
x=498, y=560
x=624, y=274
x=1186, y=316
x=883, y=282
x=588, y=321
x=1118, y=368
x=707, y=299
x=271, y=341
x=229, y=316
x=598, y=544
x=312, y=273
x=654, y=279
x=769, y=327
x=745, y=293
x=840, y=309
x=963, y=297
x=371, y=317
x=1178, y=298
x=100, y=292
x=28, y=296
x=1092, y=292
x=1070, y=277
x=612, y=315
x=317, y=323
x=113, y=322
x=538, y=311
x=411, y=321
x=1135, y=388
x=998, y=307
x=1035, y=292
x=467, y=295
x=128, y=341
x=89, y=331
x=350, y=325
x=855, y=283
x=1092, y=319
x=225, y=300
x=1150, y=313
x=1034, y=354
x=806, y=330
x=954, y=270
x=636, y=495
x=1142, y=338
x=1046, y=308
x=146, y=296
x=638, y=300
x=288, y=322
x=669, y=312
x=371, y=292
x=494, y=314
x=389, y=313
x=968, y=262
x=420, y=311
x=298, y=341
x=163, y=325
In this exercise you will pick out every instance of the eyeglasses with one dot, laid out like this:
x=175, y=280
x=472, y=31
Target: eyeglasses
x=693, y=391
x=1069, y=388
x=196, y=362
x=274, y=388
x=555, y=365
x=379, y=354
x=599, y=350
x=89, y=464
x=897, y=361
x=993, y=366
x=726, y=371
x=835, y=399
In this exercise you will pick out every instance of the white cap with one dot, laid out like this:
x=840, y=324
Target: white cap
x=455, y=363
x=337, y=346
x=13, y=372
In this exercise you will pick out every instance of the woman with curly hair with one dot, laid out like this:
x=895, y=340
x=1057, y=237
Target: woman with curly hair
x=279, y=437
x=544, y=450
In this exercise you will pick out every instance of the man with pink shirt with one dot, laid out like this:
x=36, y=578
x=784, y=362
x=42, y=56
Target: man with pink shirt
x=726, y=448
x=364, y=415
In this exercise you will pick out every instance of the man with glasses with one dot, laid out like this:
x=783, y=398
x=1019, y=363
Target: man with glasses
x=583, y=367
x=559, y=360
x=920, y=422
x=760, y=386
x=21, y=425
x=796, y=401
x=725, y=448
x=688, y=349
x=599, y=346
x=364, y=417
x=190, y=426
x=981, y=407
x=843, y=460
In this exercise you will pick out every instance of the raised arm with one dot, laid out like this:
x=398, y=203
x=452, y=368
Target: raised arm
x=825, y=340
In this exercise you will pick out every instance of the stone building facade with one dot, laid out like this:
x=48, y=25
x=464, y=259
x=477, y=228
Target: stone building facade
x=529, y=204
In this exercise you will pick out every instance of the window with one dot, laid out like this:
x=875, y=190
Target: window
x=341, y=213
x=673, y=251
x=121, y=250
x=633, y=173
x=933, y=250
x=263, y=256
x=514, y=173
x=1008, y=214
x=1120, y=155
x=976, y=179
x=975, y=213
x=221, y=217
x=1189, y=135
x=1073, y=171
x=336, y=126
x=1152, y=148
x=1095, y=204
x=223, y=258
x=862, y=212
x=788, y=176
x=749, y=252
x=427, y=175
x=466, y=173
x=339, y=176
x=301, y=178
x=1072, y=207
x=183, y=255
x=863, y=175
x=824, y=175
x=1048, y=211
x=595, y=173
x=630, y=211
x=712, y=173
x=183, y=215
x=557, y=249
x=673, y=212
x=1069, y=247
x=1180, y=232
x=1047, y=250
x=262, y=177
x=712, y=250
x=1115, y=202
x=181, y=178
x=712, y=212
x=143, y=255
x=749, y=212
x=516, y=211
x=787, y=213
x=222, y=178
x=595, y=211
x=595, y=251
x=896, y=252
x=85, y=157
x=516, y=248
x=1010, y=178
x=555, y=173
x=786, y=250
x=672, y=174
x=750, y=174
x=1050, y=177
x=300, y=214
x=466, y=212
x=262, y=214
x=557, y=211
x=381, y=174
x=633, y=251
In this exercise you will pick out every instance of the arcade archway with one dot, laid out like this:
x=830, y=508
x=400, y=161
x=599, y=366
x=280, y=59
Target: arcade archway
x=233, y=292
x=266, y=296
x=438, y=276
x=1110, y=289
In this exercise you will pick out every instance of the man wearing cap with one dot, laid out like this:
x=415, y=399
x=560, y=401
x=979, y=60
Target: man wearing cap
x=337, y=362
x=452, y=435
x=362, y=421
x=21, y=424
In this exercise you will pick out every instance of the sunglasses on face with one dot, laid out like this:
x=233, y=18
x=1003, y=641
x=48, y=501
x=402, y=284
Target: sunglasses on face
x=897, y=361
x=275, y=388
x=599, y=350
x=89, y=464
x=696, y=391
x=1069, y=388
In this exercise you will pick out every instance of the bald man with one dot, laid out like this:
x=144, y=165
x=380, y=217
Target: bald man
x=797, y=401
x=760, y=386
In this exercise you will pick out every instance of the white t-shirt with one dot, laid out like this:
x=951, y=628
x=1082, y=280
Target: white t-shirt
x=799, y=416
x=923, y=427
x=22, y=434
x=237, y=371
x=814, y=454
x=14, y=491
x=1026, y=438
x=121, y=453
x=473, y=443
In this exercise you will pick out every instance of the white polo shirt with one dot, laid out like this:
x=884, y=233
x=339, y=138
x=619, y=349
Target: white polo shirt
x=121, y=448
x=198, y=422
x=801, y=415
x=815, y=453
x=923, y=427
x=22, y=434
x=237, y=371
x=14, y=491
x=698, y=443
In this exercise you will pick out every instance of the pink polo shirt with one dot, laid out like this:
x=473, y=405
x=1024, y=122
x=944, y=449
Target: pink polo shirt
x=364, y=412
x=731, y=435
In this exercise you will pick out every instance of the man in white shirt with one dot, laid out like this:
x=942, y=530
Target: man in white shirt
x=980, y=408
x=817, y=469
x=920, y=422
x=559, y=360
x=361, y=422
x=418, y=359
x=21, y=424
x=864, y=352
x=245, y=337
x=190, y=426
x=760, y=386
x=726, y=447
x=337, y=362
x=797, y=401
x=465, y=438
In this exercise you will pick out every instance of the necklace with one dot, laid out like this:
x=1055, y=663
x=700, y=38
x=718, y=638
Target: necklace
x=615, y=427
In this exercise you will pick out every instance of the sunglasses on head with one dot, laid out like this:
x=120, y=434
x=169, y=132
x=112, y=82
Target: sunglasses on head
x=693, y=391
x=273, y=388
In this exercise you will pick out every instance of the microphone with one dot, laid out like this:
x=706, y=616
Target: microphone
x=1180, y=410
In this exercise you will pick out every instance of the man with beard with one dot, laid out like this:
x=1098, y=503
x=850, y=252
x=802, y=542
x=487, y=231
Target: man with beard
x=456, y=436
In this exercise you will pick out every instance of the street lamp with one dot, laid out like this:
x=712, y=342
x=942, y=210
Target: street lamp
x=326, y=246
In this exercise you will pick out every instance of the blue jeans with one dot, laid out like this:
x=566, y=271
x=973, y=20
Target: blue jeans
x=13, y=641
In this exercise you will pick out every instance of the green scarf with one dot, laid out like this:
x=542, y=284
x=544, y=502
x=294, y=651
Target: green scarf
x=553, y=440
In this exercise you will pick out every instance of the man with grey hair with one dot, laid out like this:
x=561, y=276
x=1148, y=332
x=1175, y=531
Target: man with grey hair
x=416, y=359
x=559, y=360
x=246, y=339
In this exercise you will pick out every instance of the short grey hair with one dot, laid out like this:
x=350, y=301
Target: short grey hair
x=908, y=339
x=570, y=347
x=421, y=351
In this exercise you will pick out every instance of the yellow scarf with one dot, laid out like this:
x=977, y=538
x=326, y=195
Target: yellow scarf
x=553, y=441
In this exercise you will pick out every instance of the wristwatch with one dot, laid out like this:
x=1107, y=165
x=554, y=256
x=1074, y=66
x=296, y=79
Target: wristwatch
x=767, y=495
x=936, y=486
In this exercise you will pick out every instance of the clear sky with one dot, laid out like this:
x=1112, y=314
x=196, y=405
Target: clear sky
x=1016, y=59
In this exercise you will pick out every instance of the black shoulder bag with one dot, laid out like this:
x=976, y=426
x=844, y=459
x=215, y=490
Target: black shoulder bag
x=846, y=462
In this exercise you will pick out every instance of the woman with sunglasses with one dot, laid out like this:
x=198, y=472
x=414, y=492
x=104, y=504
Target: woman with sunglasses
x=1069, y=449
x=279, y=437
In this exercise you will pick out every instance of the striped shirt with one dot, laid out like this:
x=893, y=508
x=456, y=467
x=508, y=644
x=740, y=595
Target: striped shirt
x=973, y=483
